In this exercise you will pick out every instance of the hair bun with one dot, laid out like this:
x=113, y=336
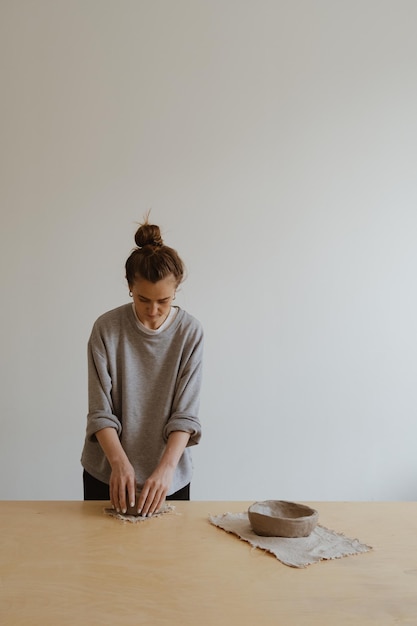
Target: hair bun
x=152, y=260
x=148, y=235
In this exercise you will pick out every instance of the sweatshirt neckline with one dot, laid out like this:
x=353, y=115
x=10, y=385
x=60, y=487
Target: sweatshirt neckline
x=163, y=333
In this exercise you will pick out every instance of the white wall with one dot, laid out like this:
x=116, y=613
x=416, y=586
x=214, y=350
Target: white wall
x=276, y=142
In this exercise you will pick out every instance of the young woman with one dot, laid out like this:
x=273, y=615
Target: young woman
x=144, y=375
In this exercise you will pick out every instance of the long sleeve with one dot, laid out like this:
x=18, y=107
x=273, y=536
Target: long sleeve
x=101, y=412
x=186, y=403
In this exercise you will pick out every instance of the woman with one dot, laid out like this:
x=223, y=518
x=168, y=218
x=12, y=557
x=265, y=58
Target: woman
x=144, y=366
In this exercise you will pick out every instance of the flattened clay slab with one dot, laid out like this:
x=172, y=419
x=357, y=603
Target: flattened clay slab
x=166, y=508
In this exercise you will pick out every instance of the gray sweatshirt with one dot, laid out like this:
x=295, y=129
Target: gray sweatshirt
x=145, y=386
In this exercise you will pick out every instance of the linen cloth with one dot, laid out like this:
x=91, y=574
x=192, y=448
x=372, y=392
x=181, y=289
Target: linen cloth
x=322, y=544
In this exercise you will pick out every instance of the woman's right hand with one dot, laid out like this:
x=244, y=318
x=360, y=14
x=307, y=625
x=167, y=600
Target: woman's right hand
x=122, y=485
x=122, y=477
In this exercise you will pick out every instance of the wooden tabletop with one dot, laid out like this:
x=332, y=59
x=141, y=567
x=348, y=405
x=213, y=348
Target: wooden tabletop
x=69, y=563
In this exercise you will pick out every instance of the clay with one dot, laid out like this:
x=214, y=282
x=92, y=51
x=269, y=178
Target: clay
x=133, y=510
x=278, y=518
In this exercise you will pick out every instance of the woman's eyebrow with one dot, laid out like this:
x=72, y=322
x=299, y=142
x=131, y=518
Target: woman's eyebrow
x=148, y=299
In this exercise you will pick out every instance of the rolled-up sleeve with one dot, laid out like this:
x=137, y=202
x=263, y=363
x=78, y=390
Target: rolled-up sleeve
x=100, y=411
x=186, y=403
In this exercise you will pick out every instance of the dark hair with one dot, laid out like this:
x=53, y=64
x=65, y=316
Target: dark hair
x=152, y=260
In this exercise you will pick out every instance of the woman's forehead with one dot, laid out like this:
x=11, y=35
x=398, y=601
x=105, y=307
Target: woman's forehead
x=161, y=289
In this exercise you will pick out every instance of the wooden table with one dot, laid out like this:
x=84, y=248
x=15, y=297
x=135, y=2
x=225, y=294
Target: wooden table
x=68, y=563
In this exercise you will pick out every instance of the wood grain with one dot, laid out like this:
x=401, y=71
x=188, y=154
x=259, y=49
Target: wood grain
x=68, y=563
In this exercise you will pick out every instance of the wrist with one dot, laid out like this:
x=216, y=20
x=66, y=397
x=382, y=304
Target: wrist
x=112, y=448
x=168, y=461
x=118, y=461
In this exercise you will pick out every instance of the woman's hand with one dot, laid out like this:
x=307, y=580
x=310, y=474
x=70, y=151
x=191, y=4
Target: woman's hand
x=122, y=486
x=122, y=478
x=156, y=486
x=155, y=489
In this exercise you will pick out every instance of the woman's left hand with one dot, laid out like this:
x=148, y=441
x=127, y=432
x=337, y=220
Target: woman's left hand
x=154, y=491
x=156, y=486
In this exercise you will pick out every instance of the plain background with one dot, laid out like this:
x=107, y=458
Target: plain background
x=276, y=143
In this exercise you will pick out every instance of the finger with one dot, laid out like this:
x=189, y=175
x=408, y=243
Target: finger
x=160, y=502
x=131, y=492
x=142, y=499
x=159, y=497
x=122, y=497
x=148, y=502
x=117, y=498
x=117, y=490
x=114, y=497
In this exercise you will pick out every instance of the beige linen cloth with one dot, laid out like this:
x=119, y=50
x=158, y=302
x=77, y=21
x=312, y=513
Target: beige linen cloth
x=322, y=544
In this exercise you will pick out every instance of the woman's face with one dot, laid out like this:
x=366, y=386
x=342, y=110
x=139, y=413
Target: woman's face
x=153, y=300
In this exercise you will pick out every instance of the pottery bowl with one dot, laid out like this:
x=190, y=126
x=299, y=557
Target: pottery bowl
x=278, y=518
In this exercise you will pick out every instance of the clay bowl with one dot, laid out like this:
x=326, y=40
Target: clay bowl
x=278, y=518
